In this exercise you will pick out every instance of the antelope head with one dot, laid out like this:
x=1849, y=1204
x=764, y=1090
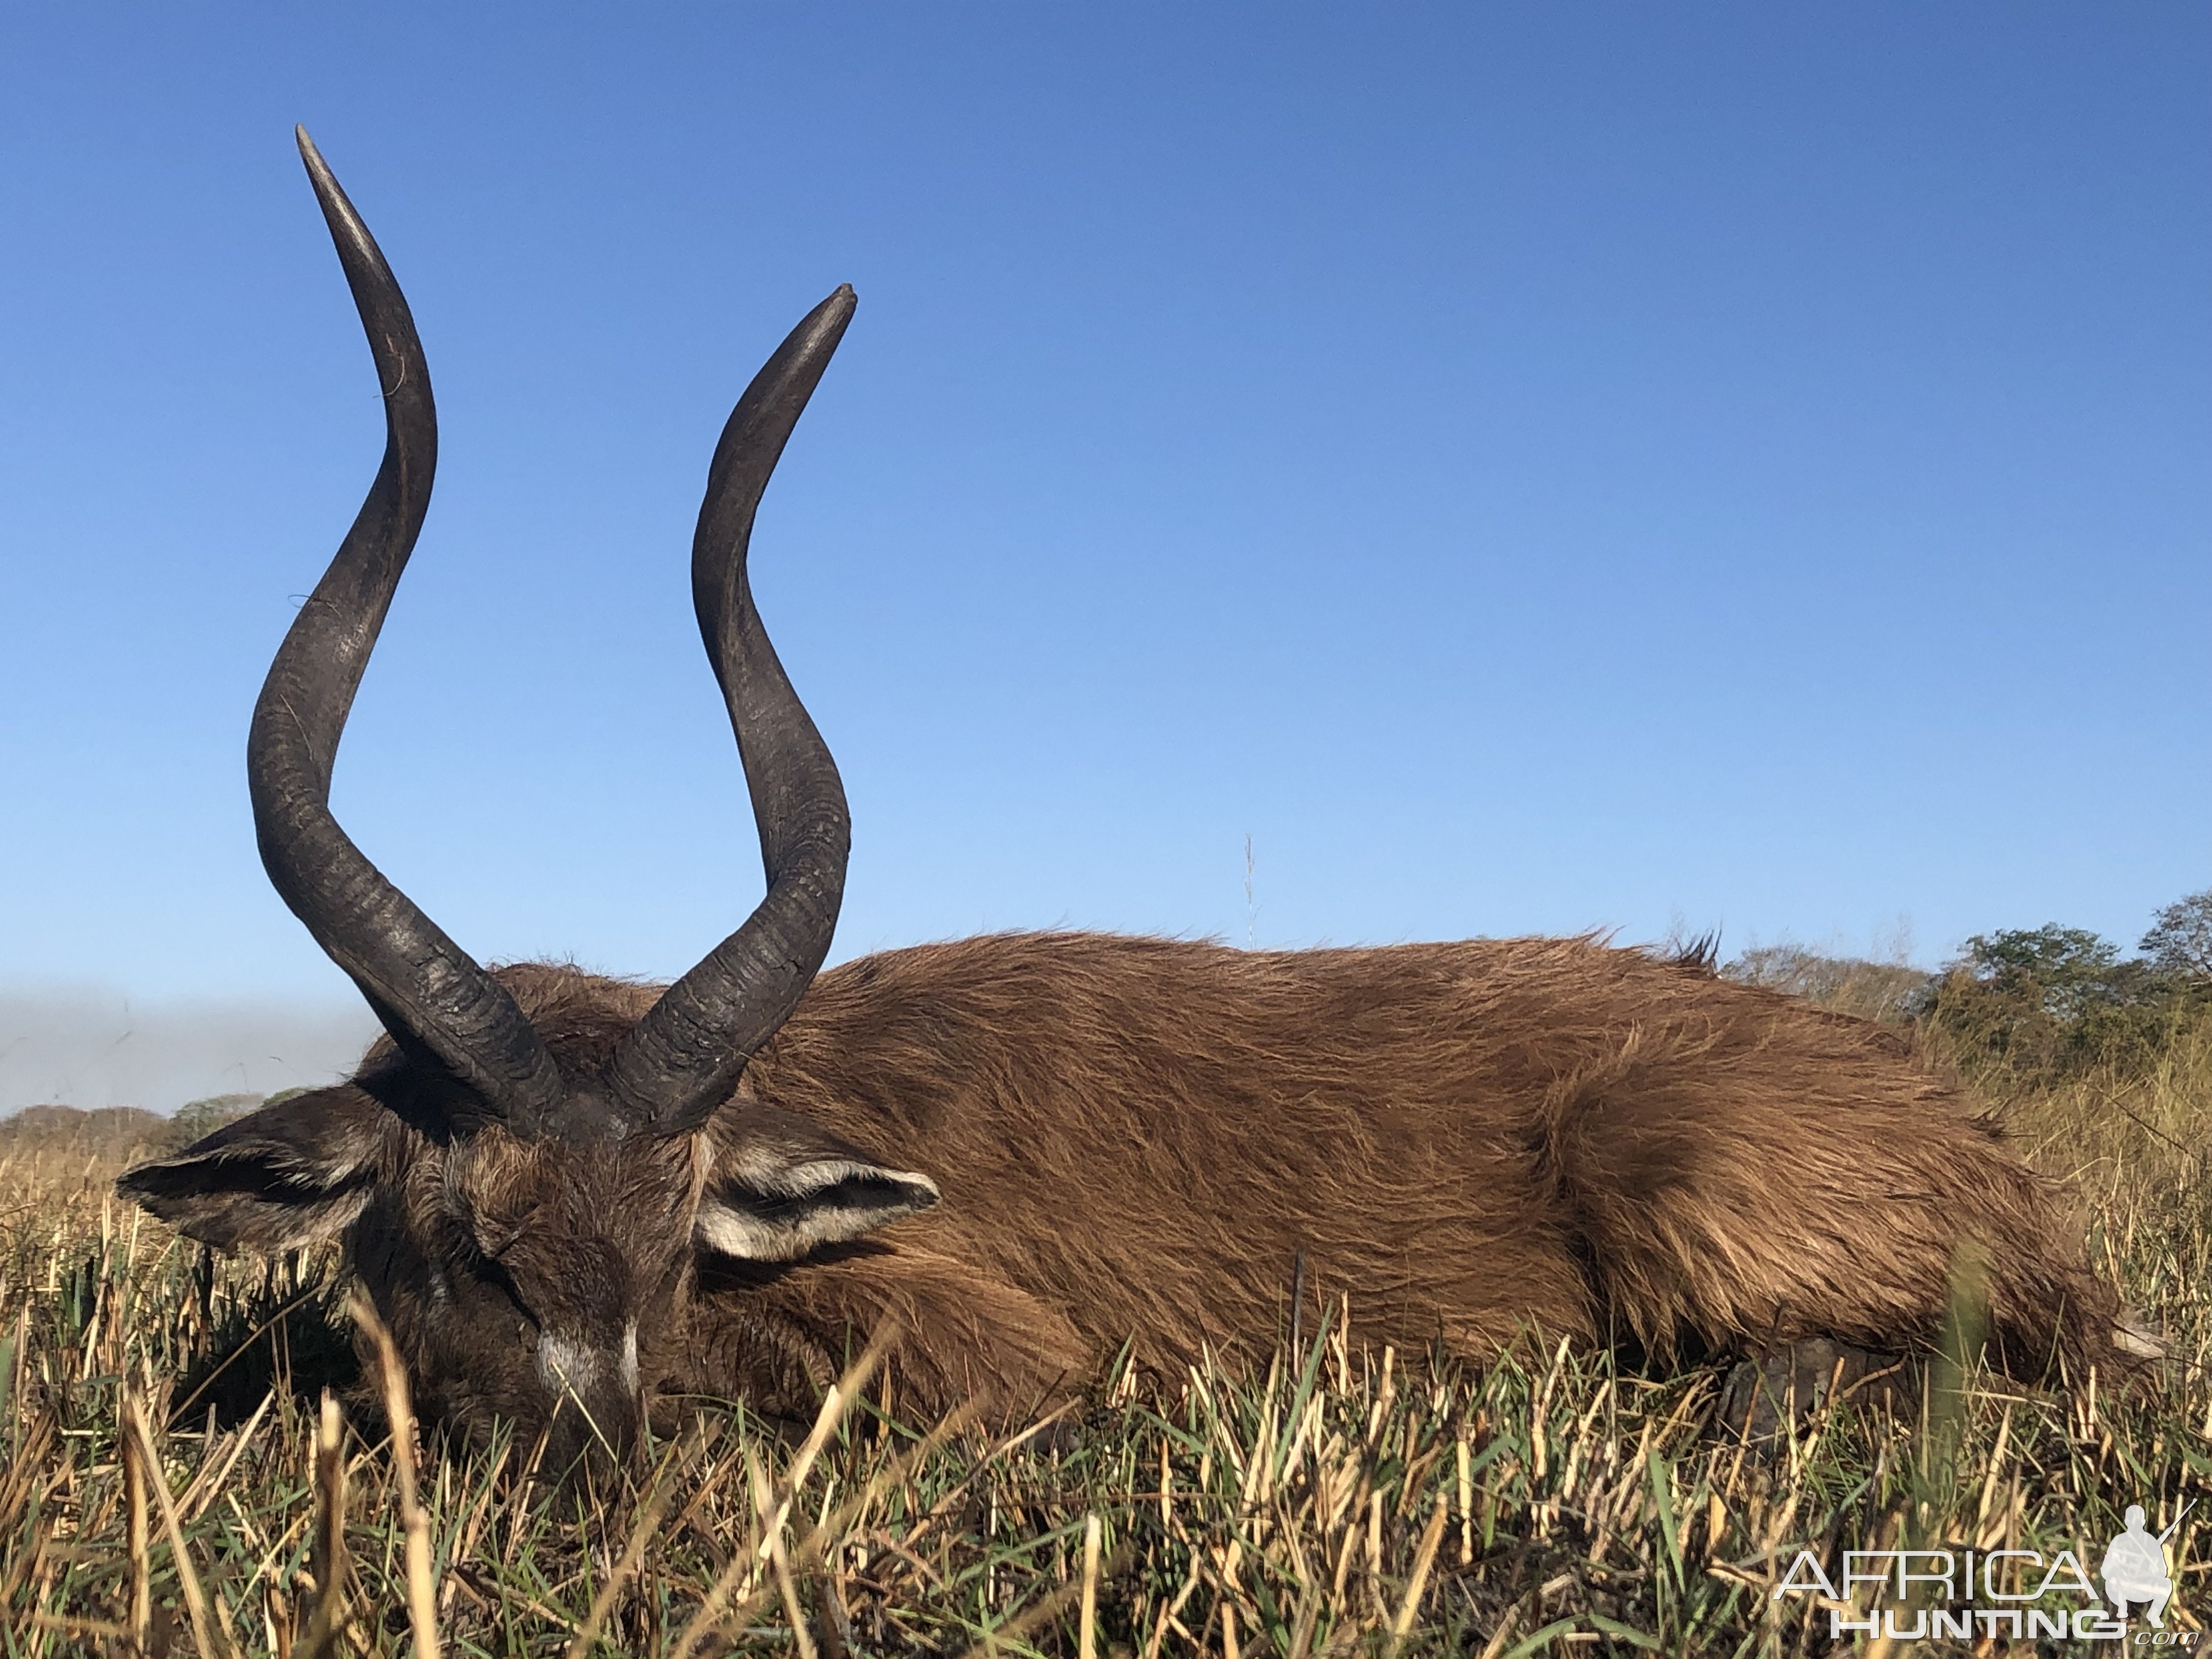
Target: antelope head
x=528, y=1163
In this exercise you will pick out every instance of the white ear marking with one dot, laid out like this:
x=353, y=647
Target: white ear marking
x=778, y=1211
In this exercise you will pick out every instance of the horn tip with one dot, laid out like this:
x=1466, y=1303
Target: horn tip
x=318, y=171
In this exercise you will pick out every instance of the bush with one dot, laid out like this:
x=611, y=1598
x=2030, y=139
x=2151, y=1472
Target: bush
x=2041, y=1005
x=198, y=1118
x=2179, y=942
x=1846, y=985
x=2029, y=1006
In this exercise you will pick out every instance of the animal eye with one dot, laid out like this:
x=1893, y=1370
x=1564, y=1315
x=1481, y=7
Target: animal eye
x=495, y=1273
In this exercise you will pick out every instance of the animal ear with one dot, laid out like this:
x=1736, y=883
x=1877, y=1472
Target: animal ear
x=287, y=1175
x=779, y=1187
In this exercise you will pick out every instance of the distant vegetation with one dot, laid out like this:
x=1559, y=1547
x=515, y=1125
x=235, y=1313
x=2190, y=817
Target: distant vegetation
x=113, y=1133
x=2028, y=1008
x=108, y=1133
x=1850, y=985
x=195, y=1118
x=2031, y=1007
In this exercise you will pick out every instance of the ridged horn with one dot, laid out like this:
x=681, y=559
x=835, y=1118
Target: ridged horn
x=682, y=1059
x=438, y=1004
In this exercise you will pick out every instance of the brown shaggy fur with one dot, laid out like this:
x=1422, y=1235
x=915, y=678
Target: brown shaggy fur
x=1146, y=1140
x=1138, y=1138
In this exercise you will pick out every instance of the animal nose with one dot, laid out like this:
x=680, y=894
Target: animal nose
x=575, y=1363
x=583, y=1456
x=597, y=1402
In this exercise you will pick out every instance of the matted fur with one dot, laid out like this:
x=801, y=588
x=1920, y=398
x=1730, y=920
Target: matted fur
x=1147, y=1141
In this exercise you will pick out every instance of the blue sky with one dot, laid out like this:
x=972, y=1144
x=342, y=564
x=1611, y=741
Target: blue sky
x=1529, y=467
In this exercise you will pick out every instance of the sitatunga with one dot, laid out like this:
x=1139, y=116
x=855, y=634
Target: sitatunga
x=568, y=1196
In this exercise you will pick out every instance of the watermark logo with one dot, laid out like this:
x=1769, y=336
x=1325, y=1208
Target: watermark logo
x=2018, y=1595
x=2134, y=1568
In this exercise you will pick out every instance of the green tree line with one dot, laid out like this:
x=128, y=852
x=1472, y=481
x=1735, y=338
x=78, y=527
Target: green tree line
x=2031, y=1005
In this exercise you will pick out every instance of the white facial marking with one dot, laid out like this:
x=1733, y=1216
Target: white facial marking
x=566, y=1365
x=630, y=1356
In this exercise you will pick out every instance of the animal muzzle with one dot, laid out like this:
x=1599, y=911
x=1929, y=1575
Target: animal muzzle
x=595, y=1405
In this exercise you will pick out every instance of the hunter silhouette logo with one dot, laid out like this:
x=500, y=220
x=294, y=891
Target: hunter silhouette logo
x=2135, y=1567
x=2020, y=1595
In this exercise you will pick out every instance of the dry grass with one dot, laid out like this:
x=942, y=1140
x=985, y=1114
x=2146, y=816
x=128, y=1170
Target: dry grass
x=176, y=1480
